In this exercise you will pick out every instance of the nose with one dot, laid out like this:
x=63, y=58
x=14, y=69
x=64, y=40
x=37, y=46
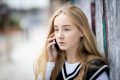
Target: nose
x=60, y=35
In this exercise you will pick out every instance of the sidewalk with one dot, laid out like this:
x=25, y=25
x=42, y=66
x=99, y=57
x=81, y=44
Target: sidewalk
x=23, y=56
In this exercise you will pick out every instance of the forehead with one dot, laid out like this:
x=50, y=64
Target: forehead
x=62, y=19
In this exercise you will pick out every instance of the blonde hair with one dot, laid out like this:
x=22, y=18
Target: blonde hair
x=88, y=49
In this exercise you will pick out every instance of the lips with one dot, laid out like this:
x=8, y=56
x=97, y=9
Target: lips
x=61, y=43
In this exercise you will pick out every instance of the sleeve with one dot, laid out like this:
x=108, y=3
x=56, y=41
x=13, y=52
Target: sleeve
x=103, y=76
x=49, y=68
x=96, y=69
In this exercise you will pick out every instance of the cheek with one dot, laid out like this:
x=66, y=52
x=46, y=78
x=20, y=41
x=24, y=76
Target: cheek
x=72, y=38
x=56, y=38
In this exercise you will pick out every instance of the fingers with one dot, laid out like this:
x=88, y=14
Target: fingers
x=51, y=38
x=51, y=35
x=51, y=44
x=51, y=50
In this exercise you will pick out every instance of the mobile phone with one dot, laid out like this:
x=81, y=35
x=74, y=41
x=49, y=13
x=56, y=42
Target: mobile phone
x=56, y=45
x=57, y=48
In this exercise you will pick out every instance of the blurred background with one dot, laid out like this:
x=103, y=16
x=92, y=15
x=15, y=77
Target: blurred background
x=23, y=29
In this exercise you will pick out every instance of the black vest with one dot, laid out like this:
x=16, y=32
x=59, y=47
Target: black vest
x=96, y=68
x=64, y=76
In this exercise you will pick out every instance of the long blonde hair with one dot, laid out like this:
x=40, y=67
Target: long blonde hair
x=87, y=50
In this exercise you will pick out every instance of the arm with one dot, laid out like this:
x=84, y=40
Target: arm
x=49, y=68
x=103, y=76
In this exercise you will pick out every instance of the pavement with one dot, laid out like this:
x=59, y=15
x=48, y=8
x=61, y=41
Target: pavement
x=23, y=53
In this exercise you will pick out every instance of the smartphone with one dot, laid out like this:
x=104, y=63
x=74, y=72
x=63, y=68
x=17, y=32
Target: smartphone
x=56, y=45
x=58, y=49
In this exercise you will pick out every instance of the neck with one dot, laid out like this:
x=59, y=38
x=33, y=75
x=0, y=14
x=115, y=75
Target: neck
x=72, y=57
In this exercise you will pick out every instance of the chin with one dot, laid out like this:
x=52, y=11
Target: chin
x=62, y=48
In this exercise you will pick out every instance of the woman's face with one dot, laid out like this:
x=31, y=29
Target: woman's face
x=67, y=35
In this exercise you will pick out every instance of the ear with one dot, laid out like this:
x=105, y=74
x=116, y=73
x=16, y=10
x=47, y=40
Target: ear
x=81, y=34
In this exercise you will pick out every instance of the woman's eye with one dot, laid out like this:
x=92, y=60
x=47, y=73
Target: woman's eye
x=67, y=29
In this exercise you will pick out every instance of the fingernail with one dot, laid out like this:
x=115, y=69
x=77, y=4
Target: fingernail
x=53, y=46
x=54, y=41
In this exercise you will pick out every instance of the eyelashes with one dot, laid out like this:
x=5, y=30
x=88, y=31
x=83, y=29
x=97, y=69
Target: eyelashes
x=67, y=29
x=63, y=29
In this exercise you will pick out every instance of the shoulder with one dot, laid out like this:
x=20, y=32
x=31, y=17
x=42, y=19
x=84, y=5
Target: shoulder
x=95, y=68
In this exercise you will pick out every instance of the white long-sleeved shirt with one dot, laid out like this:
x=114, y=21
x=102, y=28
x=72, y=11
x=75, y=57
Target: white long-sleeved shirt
x=69, y=69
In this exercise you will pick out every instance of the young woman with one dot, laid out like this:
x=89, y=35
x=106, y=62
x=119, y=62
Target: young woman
x=71, y=51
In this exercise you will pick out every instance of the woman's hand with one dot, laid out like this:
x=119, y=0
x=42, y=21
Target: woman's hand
x=51, y=50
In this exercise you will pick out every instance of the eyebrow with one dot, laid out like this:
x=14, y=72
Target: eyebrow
x=62, y=26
